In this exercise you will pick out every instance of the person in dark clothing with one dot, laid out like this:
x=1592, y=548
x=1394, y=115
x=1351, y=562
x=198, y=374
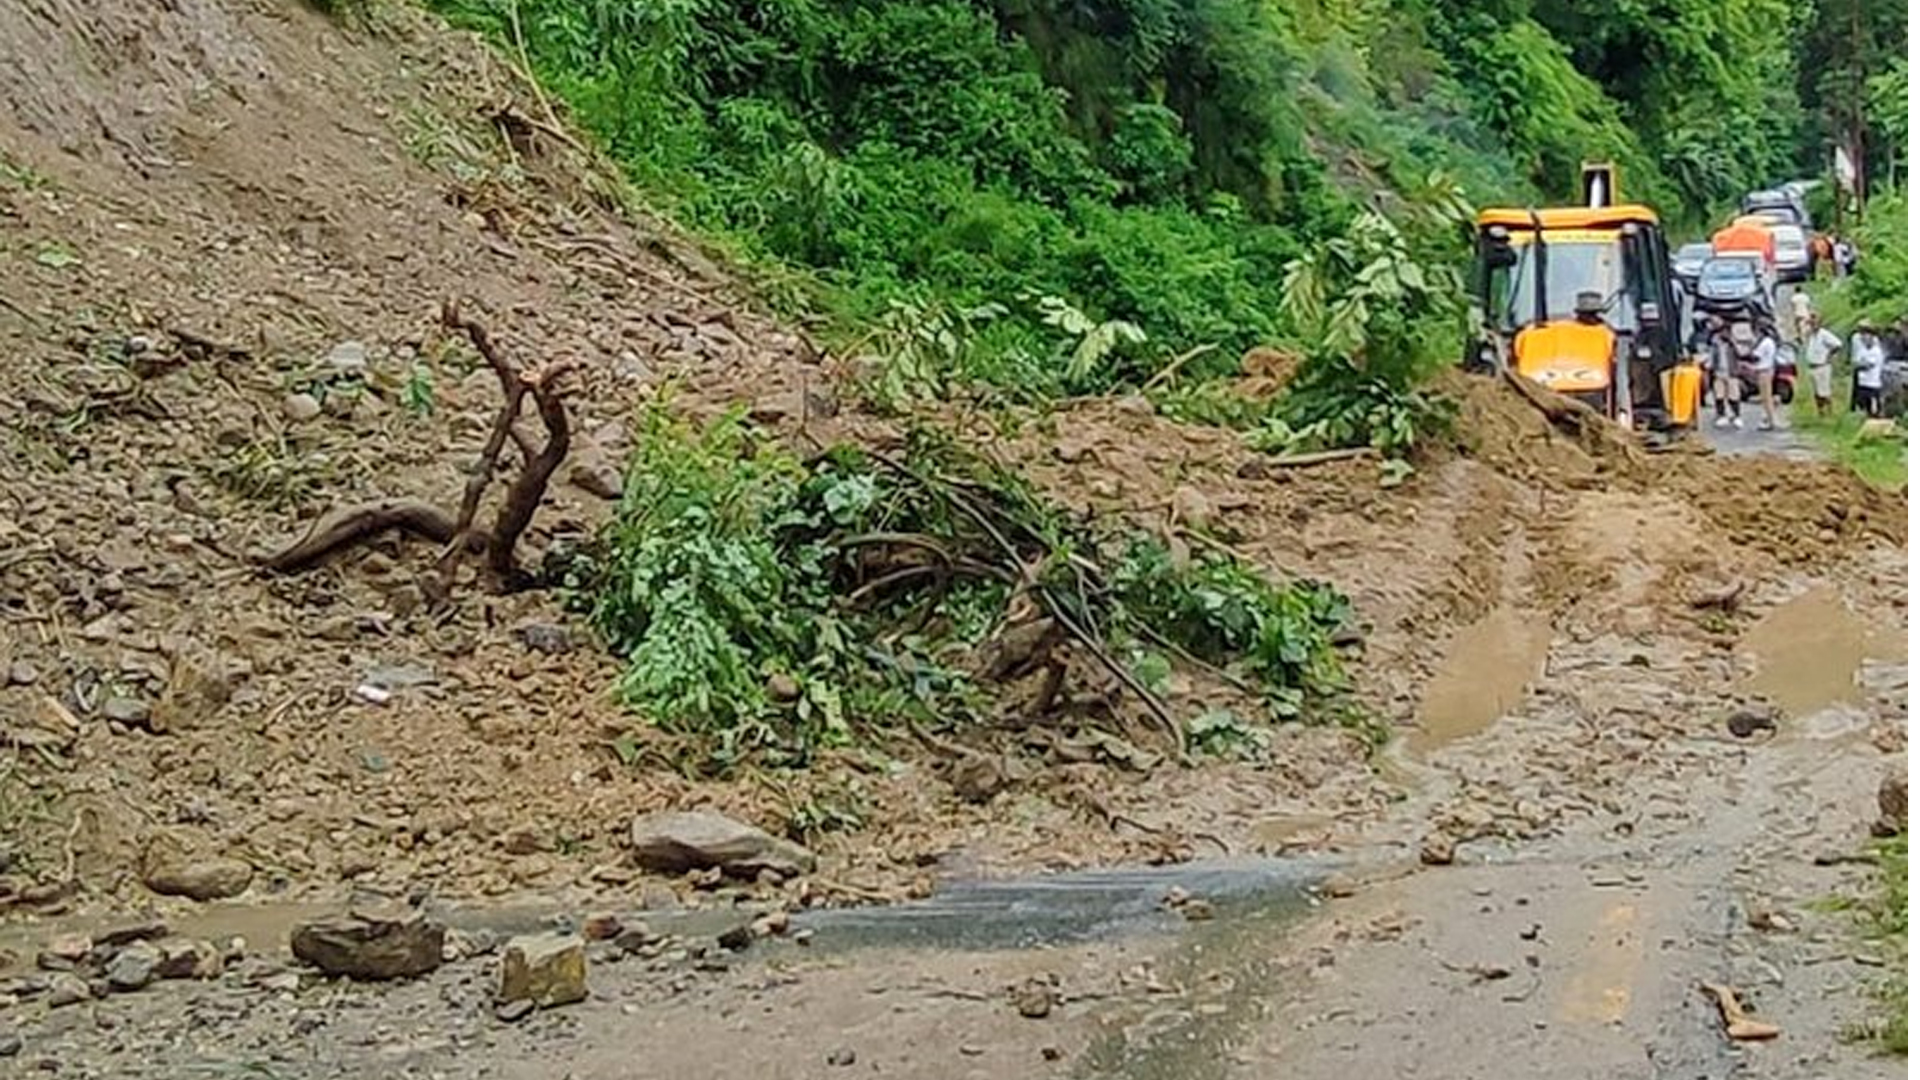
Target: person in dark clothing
x=1720, y=368
x=1894, y=342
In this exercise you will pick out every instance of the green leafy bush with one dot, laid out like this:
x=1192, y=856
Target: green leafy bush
x=747, y=591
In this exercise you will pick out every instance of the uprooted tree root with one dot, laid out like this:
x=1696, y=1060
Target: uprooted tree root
x=346, y=527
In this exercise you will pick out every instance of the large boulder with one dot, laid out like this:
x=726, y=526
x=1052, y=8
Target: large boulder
x=674, y=842
x=372, y=942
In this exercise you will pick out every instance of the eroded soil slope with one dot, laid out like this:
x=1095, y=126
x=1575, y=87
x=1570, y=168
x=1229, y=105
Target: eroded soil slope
x=226, y=229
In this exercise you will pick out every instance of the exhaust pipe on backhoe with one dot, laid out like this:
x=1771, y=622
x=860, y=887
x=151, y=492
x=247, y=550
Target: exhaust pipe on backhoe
x=1599, y=183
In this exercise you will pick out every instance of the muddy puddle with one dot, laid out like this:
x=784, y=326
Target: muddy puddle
x=1484, y=675
x=1067, y=908
x=962, y=915
x=1808, y=653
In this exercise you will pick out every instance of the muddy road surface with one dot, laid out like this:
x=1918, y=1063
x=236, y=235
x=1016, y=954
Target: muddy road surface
x=1672, y=846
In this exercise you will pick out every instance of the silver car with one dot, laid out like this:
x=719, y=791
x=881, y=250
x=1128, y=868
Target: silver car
x=1792, y=257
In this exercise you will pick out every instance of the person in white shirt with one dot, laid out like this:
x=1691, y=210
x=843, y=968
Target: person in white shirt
x=1822, y=343
x=1869, y=361
x=1766, y=359
x=1802, y=314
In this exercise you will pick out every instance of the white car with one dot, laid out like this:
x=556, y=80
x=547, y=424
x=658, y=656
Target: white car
x=1792, y=257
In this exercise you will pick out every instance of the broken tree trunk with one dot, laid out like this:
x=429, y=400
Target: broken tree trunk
x=349, y=526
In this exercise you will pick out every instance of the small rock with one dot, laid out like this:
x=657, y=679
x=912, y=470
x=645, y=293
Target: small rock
x=544, y=638
x=384, y=942
x=280, y=982
x=188, y=958
x=524, y=841
x=513, y=1012
x=64, y=953
x=840, y=1058
x=1051, y=1053
x=22, y=673
x=1751, y=719
x=462, y=944
x=300, y=408
x=772, y=924
x=149, y=930
x=10, y=1045
x=598, y=478
x=783, y=688
x=675, y=842
x=631, y=939
x=133, y=967
x=737, y=938
x=172, y=869
x=348, y=357
x=602, y=926
x=126, y=710
x=1338, y=886
x=1034, y=998
x=66, y=988
x=546, y=969
x=1191, y=507
x=1197, y=910
x=1893, y=805
x=1437, y=849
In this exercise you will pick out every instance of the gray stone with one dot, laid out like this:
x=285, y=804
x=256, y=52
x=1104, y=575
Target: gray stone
x=145, y=930
x=126, y=710
x=675, y=842
x=300, y=408
x=598, y=477
x=22, y=673
x=544, y=637
x=348, y=357
x=513, y=1012
x=133, y=967
x=10, y=1045
x=546, y=969
x=383, y=942
x=66, y=988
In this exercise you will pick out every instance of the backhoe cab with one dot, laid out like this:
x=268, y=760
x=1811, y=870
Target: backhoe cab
x=1581, y=300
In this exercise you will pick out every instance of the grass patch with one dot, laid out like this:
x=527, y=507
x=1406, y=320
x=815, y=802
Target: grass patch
x=1887, y=916
x=1880, y=461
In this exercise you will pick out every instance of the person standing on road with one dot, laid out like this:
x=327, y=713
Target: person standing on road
x=1720, y=368
x=1821, y=344
x=1869, y=362
x=1802, y=314
x=1766, y=360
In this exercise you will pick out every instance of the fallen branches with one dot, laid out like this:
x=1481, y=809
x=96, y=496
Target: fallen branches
x=346, y=527
x=352, y=525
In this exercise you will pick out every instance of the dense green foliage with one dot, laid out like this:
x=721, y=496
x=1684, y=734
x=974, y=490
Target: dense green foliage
x=769, y=607
x=958, y=170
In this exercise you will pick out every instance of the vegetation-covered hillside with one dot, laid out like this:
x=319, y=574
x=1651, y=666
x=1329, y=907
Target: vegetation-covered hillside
x=1160, y=161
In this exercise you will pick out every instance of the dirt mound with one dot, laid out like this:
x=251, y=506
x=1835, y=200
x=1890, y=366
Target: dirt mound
x=1789, y=510
x=1796, y=511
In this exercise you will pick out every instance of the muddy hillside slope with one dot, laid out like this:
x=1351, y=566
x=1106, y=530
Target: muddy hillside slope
x=227, y=229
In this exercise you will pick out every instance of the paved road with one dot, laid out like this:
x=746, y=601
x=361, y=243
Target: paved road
x=1783, y=441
